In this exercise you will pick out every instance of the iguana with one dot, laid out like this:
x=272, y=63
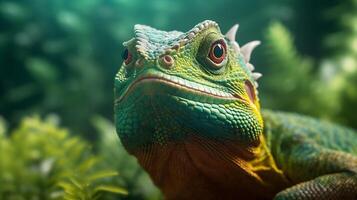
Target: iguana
x=186, y=107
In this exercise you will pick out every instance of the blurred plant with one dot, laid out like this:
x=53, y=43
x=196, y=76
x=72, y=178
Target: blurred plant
x=38, y=159
x=134, y=178
x=340, y=65
x=84, y=185
x=51, y=62
x=325, y=88
x=290, y=75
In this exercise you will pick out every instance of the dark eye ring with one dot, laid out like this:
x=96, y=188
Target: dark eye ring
x=127, y=56
x=217, y=52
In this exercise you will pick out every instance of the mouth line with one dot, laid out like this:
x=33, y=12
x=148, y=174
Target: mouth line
x=178, y=82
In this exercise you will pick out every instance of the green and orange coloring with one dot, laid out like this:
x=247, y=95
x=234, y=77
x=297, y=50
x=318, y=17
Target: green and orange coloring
x=186, y=106
x=197, y=71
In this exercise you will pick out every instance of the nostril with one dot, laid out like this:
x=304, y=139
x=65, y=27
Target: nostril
x=167, y=61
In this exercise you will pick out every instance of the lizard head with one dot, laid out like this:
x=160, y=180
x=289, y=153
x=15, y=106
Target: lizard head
x=173, y=85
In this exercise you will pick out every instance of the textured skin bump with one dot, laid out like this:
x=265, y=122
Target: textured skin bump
x=329, y=187
x=197, y=128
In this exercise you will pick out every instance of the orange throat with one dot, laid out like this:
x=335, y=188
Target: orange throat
x=205, y=169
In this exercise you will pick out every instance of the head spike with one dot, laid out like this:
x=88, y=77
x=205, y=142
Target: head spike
x=231, y=34
x=256, y=75
x=235, y=46
x=248, y=48
x=250, y=66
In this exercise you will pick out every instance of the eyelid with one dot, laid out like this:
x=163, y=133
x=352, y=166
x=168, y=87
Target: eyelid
x=204, y=49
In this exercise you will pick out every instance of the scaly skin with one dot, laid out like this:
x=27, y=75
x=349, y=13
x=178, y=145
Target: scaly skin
x=186, y=107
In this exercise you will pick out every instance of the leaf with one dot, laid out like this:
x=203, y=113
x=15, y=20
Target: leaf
x=2, y=127
x=112, y=189
x=88, y=164
x=76, y=183
x=67, y=187
x=102, y=174
x=42, y=70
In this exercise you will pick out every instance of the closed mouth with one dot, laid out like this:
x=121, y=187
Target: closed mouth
x=182, y=84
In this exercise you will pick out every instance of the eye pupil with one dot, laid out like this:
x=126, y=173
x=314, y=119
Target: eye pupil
x=218, y=51
x=125, y=54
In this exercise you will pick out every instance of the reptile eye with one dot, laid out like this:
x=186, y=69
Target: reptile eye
x=212, y=54
x=217, y=52
x=127, y=56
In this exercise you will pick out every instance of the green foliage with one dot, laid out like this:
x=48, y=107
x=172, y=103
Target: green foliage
x=342, y=45
x=321, y=87
x=47, y=54
x=283, y=61
x=38, y=159
x=84, y=185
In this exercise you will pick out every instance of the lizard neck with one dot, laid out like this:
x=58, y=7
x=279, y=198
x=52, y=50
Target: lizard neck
x=198, y=167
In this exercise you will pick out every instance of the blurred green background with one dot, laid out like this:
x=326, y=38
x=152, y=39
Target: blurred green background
x=58, y=59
